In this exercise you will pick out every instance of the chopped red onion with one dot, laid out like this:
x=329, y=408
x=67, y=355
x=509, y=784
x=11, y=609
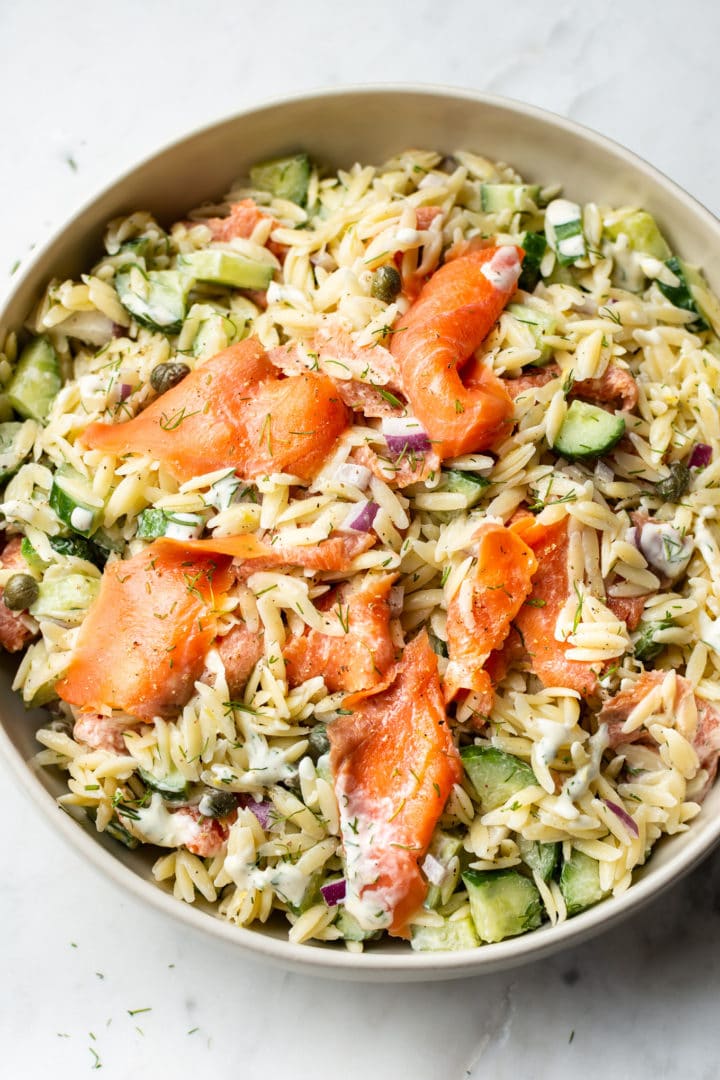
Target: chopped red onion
x=361, y=517
x=396, y=599
x=623, y=815
x=125, y=391
x=333, y=892
x=701, y=456
x=404, y=433
x=261, y=809
x=434, y=870
x=357, y=475
x=118, y=331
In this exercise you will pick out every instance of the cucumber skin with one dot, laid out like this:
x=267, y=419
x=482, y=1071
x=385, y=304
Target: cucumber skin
x=503, y=903
x=449, y=937
x=541, y=858
x=579, y=415
x=534, y=245
x=284, y=177
x=508, y=773
x=63, y=505
x=580, y=883
x=36, y=380
x=681, y=295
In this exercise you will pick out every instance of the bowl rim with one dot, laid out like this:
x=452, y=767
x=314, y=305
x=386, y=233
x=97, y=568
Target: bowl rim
x=315, y=959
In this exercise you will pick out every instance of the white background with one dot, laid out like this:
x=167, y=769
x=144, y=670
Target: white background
x=86, y=88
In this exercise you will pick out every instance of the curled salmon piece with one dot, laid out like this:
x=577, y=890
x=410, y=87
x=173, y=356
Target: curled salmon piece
x=210, y=833
x=14, y=634
x=433, y=342
x=394, y=764
x=233, y=410
x=360, y=658
x=334, y=554
x=239, y=650
x=705, y=740
x=537, y=618
x=101, y=732
x=143, y=643
x=525, y=382
x=480, y=613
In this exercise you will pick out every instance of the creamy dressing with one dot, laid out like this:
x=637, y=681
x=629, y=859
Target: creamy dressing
x=572, y=247
x=286, y=294
x=562, y=212
x=288, y=882
x=222, y=492
x=184, y=527
x=366, y=834
x=155, y=825
x=82, y=519
x=357, y=475
x=553, y=736
x=579, y=784
x=503, y=269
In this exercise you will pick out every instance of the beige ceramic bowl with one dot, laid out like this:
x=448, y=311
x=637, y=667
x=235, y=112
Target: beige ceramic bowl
x=338, y=128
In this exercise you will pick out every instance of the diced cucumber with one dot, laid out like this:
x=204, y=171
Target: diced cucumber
x=541, y=858
x=564, y=231
x=73, y=500
x=453, y=934
x=283, y=177
x=153, y=523
x=31, y=557
x=580, y=882
x=642, y=233
x=588, y=432
x=156, y=299
x=36, y=380
x=495, y=774
x=468, y=484
x=539, y=323
x=80, y=548
x=681, y=294
x=312, y=894
x=534, y=245
x=65, y=600
x=503, y=903
x=351, y=929
x=173, y=786
x=16, y=442
x=141, y=247
x=692, y=293
x=226, y=268
x=514, y=197
x=444, y=847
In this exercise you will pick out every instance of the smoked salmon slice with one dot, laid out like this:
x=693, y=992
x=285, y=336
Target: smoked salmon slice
x=234, y=411
x=537, y=618
x=394, y=764
x=361, y=657
x=481, y=611
x=143, y=643
x=334, y=554
x=452, y=316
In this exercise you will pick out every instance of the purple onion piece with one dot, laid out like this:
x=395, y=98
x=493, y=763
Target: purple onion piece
x=334, y=892
x=701, y=456
x=408, y=444
x=361, y=517
x=125, y=391
x=261, y=809
x=118, y=331
x=623, y=815
x=404, y=434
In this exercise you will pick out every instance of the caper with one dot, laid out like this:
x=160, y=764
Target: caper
x=386, y=283
x=218, y=804
x=672, y=488
x=164, y=376
x=20, y=592
x=318, y=742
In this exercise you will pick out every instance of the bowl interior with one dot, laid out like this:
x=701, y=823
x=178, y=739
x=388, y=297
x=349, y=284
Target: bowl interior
x=338, y=128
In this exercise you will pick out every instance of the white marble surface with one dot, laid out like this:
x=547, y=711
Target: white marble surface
x=85, y=89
